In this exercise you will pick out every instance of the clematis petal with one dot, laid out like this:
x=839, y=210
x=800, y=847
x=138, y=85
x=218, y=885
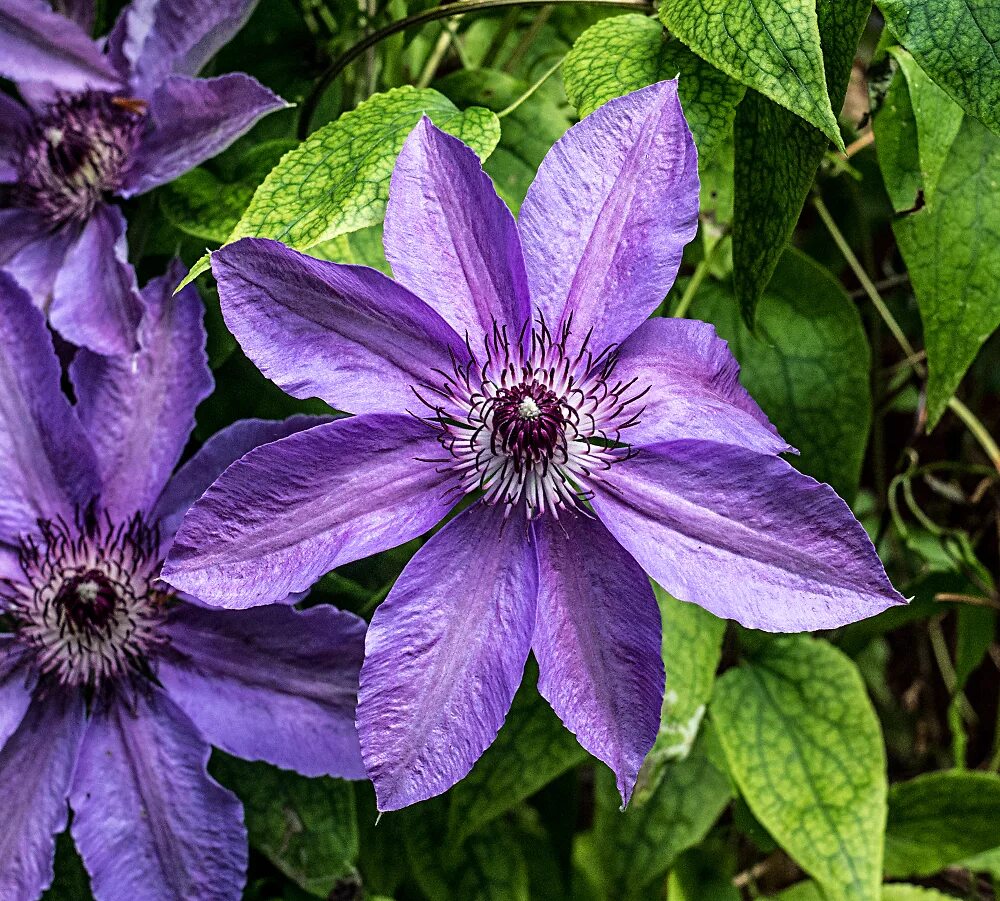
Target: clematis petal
x=33, y=252
x=346, y=334
x=36, y=767
x=692, y=388
x=148, y=821
x=37, y=44
x=224, y=448
x=156, y=38
x=139, y=410
x=192, y=120
x=444, y=656
x=597, y=642
x=271, y=684
x=290, y=511
x=96, y=300
x=17, y=682
x=47, y=465
x=744, y=535
x=451, y=240
x=14, y=120
x=607, y=217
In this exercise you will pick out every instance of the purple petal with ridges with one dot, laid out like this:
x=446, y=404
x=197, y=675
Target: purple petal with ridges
x=223, y=449
x=347, y=334
x=451, y=240
x=694, y=388
x=36, y=767
x=605, y=222
x=290, y=511
x=14, y=120
x=271, y=684
x=33, y=252
x=17, y=682
x=744, y=535
x=139, y=409
x=148, y=820
x=95, y=302
x=192, y=120
x=156, y=38
x=37, y=44
x=445, y=654
x=597, y=642
x=47, y=465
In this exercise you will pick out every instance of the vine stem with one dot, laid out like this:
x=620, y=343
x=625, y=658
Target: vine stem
x=527, y=94
x=969, y=419
x=445, y=11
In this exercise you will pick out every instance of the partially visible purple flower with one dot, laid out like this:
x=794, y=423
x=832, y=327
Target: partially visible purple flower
x=113, y=686
x=104, y=123
x=597, y=446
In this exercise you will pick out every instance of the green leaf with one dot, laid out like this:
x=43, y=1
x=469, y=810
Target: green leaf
x=957, y=42
x=807, y=365
x=624, y=53
x=532, y=749
x=895, y=127
x=987, y=862
x=704, y=873
x=306, y=827
x=805, y=747
x=809, y=891
x=337, y=180
x=777, y=155
x=952, y=250
x=637, y=846
x=773, y=48
x=940, y=819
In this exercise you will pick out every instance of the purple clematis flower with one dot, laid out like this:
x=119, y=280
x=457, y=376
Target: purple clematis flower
x=597, y=447
x=111, y=685
x=106, y=123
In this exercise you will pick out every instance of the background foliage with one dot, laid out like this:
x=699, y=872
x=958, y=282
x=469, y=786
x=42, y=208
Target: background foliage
x=849, y=250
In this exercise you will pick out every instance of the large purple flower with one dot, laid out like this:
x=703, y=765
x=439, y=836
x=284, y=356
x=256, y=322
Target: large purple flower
x=112, y=686
x=514, y=365
x=100, y=124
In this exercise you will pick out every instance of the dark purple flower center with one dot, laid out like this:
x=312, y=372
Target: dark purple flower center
x=528, y=423
x=77, y=153
x=88, y=601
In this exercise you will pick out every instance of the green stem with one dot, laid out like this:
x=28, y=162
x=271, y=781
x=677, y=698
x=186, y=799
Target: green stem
x=458, y=8
x=697, y=277
x=979, y=432
x=508, y=110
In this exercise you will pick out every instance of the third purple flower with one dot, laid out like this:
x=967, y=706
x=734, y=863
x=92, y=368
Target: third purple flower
x=512, y=365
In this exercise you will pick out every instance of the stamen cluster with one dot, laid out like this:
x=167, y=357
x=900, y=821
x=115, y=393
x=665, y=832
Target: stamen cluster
x=532, y=424
x=86, y=605
x=77, y=152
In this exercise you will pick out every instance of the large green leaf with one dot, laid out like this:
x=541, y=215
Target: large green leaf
x=773, y=48
x=532, y=749
x=940, y=819
x=777, y=155
x=958, y=43
x=807, y=365
x=337, y=180
x=805, y=747
x=637, y=846
x=809, y=891
x=625, y=53
x=952, y=251
x=306, y=827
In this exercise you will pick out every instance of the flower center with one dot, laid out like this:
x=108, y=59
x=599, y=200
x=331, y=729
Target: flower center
x=77, y=152
x=533, y=426
x=86, y=605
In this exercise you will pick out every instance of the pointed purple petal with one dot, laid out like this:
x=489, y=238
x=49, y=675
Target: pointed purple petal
x=223, y=449
x=95, y=299
x=192, y=120
x=139, y=409
x=607, y=217
x=36, y=767
x=33, y=252
x=451, y=240
x=13, y=121
x=47, y=466
x=288, y=512
x=155, y=38
x=597, y=642
x=347, y=334
x=37, y=44
x=744, y=535
x=694, y=388
x=17, y=681
x=445, y=654
x=271, y=684
x=148, y=821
